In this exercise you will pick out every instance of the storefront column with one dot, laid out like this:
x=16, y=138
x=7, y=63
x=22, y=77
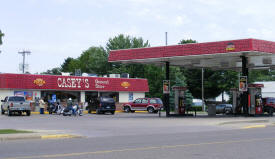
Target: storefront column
x=82, y=97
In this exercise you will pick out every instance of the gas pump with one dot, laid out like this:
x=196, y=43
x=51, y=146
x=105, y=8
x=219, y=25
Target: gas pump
x=179, y=99
x=255, y=105
x=254, y=100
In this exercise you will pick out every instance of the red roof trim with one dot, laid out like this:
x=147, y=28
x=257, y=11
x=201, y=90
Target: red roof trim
x=243, y=45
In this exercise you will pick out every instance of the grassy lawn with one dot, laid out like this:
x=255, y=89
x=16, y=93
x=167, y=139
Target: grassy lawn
x=13, y=131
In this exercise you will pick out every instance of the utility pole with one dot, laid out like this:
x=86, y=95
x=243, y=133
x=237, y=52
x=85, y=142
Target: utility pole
x=166, y=43
x=24, y=54
x=202, y=89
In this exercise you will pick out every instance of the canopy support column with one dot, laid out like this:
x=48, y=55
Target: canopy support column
x=166, y=96
x=244, y=100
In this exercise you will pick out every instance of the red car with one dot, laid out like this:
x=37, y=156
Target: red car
x=269, y=105
x=152, y=105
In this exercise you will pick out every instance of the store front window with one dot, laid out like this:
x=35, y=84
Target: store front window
x=60, y=96
x=27, y=94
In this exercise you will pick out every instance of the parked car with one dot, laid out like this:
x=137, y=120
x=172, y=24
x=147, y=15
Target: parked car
x=152, y=105
x=224, y=109
x=18, y=104
x=102, y=105
x=268, y=105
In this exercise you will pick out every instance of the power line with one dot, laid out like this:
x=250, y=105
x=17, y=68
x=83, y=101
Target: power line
x=23, y=54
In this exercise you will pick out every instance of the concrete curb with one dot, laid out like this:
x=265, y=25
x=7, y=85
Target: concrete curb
x=8, y=137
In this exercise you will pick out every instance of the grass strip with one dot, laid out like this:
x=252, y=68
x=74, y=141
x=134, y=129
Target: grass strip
x=13, y=131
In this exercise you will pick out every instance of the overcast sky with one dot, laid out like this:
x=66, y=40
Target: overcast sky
x=56, y=29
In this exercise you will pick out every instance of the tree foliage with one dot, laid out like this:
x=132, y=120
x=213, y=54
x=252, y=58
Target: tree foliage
x=54, y=71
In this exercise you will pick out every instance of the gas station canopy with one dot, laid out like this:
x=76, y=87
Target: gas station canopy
x=222, y=55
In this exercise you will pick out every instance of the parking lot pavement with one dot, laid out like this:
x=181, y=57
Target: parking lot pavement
x=120, y=124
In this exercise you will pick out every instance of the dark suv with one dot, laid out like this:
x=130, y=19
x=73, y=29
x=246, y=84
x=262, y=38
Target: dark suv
x=152, y=105
x=102, y=105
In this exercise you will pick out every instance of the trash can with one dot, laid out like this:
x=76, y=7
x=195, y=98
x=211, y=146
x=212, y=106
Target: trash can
x=41, y=110
x=211, y=109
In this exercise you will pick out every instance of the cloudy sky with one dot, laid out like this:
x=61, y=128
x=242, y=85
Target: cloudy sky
x=56, y=29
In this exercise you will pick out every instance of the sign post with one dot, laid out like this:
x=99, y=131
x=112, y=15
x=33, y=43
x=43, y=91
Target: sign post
x=166, y=86
x=243, y=83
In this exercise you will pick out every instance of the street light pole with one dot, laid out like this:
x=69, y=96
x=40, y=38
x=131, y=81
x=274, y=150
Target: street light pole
x=24, y=54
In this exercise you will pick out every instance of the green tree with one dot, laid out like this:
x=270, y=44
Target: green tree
x=1, y=36
x=94, y=60
x=152, y=73
x=126, y=42
x=54, y=71
x=69, y=65
x=261, y=75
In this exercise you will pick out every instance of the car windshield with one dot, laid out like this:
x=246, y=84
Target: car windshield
x=270, y=100
x=109, y=100
x=159, y=101
x=17, y=99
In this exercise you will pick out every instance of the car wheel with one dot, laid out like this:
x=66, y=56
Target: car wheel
x=270, y=112
x=156, y=111
x=9, y=112
x=2, y=111
x=227, y=112
x=28, y=112
x=113, y=112
x=150, y=110
x=127, y=109
x=19, y=113
x=98, y=111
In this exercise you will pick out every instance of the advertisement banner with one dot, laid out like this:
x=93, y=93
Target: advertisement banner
x=131, y=96
x=243, y=83
x=49, y=82
x=166, y=86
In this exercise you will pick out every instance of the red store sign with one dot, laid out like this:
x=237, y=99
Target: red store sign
x=50, y=82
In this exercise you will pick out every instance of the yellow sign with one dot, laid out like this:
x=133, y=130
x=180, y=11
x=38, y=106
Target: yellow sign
x=230, y=47
x=39, y=82
x=125, y=84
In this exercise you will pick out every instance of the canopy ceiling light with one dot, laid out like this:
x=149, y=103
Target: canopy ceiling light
x=195, y=62
x=224, y=64
x=267, y=61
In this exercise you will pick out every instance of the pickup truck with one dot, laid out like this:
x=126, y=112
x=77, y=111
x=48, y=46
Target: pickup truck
x=15, y=104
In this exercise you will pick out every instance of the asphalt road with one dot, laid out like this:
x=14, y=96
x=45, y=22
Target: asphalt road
x=143, y=136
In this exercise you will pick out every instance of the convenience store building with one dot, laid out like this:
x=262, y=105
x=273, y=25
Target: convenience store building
x=80, y=89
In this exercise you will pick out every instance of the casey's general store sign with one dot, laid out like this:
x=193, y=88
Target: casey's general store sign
x=44, y=82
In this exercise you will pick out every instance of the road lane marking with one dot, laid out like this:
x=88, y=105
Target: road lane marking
x=57, y=136
x=254, y=126
x=140, y=149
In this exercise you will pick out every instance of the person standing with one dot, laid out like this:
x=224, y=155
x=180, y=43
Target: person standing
x=41, y=105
